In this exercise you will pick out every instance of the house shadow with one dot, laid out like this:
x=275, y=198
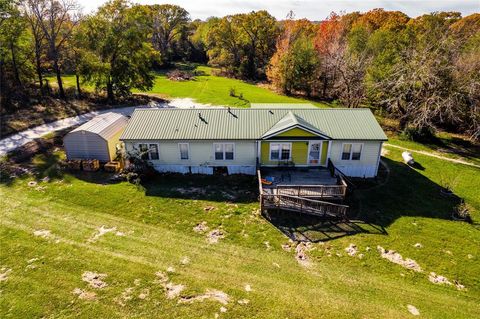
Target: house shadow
x=373, y=206
x=218, y=188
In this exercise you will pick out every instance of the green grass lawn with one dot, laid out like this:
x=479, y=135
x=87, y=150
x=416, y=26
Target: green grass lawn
x=208, y=89
x=157, y=220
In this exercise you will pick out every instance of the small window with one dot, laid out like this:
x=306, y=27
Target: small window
x=148, y=151
x=143, y=151
x=285, y=152
x=352, y=152
x=280, y=151
x=183, y=151
x=224, y=151
x=218, y=152
x=347, y=149
x=229, y=151
x=356, y=151
x=274, y=151
x=153, y=151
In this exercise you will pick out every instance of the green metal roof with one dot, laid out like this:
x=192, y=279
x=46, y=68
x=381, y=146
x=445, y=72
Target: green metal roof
x=282, y=106
x=248, y=124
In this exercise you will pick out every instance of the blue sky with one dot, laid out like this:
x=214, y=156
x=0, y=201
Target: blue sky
x=311, y=9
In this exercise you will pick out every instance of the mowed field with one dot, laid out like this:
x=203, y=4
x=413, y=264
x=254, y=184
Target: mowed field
x=206, y=88
x=81, y=245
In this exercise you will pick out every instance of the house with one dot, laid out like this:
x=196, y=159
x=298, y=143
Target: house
x=96, y=139
x=242, y=140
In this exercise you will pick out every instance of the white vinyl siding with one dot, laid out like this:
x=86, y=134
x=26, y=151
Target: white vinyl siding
x=201, y=152
x=367, y=152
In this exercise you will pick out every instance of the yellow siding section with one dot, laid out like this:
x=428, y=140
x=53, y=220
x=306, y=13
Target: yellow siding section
x=296, y=132
x=324, y=153
x=299, y=153
x=112, y=144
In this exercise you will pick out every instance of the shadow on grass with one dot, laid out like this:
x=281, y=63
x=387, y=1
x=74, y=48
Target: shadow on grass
x=373, y=206
x=300, y=227
x=406, y=193
x=231, y=188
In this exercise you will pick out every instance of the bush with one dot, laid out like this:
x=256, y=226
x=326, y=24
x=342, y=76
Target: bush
x=138, y=170
x=462, y=212
x=418, y=134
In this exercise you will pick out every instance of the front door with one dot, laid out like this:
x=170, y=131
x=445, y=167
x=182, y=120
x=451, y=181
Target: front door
x=314, y=153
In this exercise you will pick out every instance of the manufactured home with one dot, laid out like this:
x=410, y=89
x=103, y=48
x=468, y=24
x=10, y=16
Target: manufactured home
x=243, y=140
x=96, y=139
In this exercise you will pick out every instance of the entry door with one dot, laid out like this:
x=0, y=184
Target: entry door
x=314, y=153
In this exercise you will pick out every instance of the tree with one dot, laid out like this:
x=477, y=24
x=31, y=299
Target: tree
x=117, y=53
x=57, y=20
x=167, y=22
x=416, y=84
x=294, y=65
x=15, y=67
x=242, y=44
x=38, y=36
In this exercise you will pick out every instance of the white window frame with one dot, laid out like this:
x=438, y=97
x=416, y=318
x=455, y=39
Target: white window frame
x=148, y=152
x=180, y=152
x=351, y=152
x=223, y=151
x=279, y=151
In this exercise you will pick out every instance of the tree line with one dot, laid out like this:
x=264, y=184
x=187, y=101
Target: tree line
x=424, y=72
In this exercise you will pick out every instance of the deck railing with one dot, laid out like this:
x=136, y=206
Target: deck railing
x=312, y=191
x=303, y=205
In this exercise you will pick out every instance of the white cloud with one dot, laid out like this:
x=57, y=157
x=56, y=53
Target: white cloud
x=311, y=9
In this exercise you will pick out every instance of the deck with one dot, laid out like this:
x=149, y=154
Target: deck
x=314, y=183
x=311, y=191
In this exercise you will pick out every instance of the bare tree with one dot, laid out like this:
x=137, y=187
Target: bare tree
x=57, y=19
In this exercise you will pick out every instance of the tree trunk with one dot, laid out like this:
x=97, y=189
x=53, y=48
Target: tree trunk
x=79, y=91
x=2, y=86
x=38, y=65
x=59, y=77
x=110, y=96
x=14, y=65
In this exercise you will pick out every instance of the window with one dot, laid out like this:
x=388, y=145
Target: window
x=153, y=151
x=274, y=152
x=218, y=152
x=347, y=149
x=223, y=151
x=351, y=152
x=143, y=151
x=280, y=151
x=148, y=151
x=229, y=151
x=183, y=147
x=356, y=151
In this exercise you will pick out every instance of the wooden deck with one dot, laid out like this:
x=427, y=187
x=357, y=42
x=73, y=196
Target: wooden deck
x=308, y=198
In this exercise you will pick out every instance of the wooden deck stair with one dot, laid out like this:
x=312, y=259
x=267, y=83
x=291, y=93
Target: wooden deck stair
x=305, y=199
x=304, y=205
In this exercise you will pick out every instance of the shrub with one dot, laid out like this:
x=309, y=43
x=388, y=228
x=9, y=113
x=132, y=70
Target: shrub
x=419, y=134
